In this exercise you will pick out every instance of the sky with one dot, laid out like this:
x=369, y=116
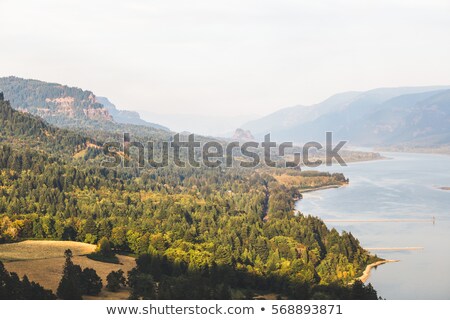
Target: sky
x=221, y=58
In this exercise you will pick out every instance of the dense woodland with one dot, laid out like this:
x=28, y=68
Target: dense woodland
x=215, y=233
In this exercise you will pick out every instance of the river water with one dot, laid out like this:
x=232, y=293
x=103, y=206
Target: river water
x=405, y=186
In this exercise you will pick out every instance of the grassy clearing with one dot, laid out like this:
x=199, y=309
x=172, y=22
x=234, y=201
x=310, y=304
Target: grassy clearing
x=43, y=261
x=42, y=249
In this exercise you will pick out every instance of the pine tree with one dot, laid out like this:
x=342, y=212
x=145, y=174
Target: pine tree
x=69, y=286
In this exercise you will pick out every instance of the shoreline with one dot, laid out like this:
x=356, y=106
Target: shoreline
x=366, y=273
x=331, y=186
x=418, y=151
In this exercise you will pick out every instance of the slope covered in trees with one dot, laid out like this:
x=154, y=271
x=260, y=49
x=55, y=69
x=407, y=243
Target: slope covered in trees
x=23, y=129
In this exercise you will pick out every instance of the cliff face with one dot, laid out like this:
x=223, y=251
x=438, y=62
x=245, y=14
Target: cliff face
x=98, y=114
x=67, y=107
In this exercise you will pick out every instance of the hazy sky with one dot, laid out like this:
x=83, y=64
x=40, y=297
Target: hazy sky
x=220, y=57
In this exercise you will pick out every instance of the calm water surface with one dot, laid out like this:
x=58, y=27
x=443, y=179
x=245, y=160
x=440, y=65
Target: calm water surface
x=403, y=187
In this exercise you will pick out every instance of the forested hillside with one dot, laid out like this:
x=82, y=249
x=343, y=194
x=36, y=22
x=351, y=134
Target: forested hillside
x=211, y=233
x=24, y=130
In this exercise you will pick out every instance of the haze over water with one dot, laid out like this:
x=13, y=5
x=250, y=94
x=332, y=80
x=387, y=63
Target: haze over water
x=402, y=187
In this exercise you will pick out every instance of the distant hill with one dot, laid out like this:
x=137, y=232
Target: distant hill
x=66, y=106
x=287, y=118
x=57, y=104
x=420, y=119
x=414, y=116
x=125, y=116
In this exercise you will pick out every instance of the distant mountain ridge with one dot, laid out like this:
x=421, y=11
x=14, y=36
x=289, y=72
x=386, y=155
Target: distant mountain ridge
x=125, y=116
x=413, y=116
x=66, y=106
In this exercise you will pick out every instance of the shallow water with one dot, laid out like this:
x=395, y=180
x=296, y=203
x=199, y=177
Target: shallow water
x=403, y=187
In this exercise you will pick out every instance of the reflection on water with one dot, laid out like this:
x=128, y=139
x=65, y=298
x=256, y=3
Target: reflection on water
x=403, y=187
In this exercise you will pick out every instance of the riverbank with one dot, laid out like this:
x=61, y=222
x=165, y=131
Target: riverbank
x=444, y=150
x=331, y=186
x=406, y=187
x=366, y=274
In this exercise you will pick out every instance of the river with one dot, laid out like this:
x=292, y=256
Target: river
x=405, y=186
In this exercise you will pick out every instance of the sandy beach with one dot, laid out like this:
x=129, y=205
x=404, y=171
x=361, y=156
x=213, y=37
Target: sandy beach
x=366, y=274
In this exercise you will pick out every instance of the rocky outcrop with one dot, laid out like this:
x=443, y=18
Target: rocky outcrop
x=243, y=135
x=99, y=114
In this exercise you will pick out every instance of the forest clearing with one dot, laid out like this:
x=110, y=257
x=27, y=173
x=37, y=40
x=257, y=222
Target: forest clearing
x=43, y=261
